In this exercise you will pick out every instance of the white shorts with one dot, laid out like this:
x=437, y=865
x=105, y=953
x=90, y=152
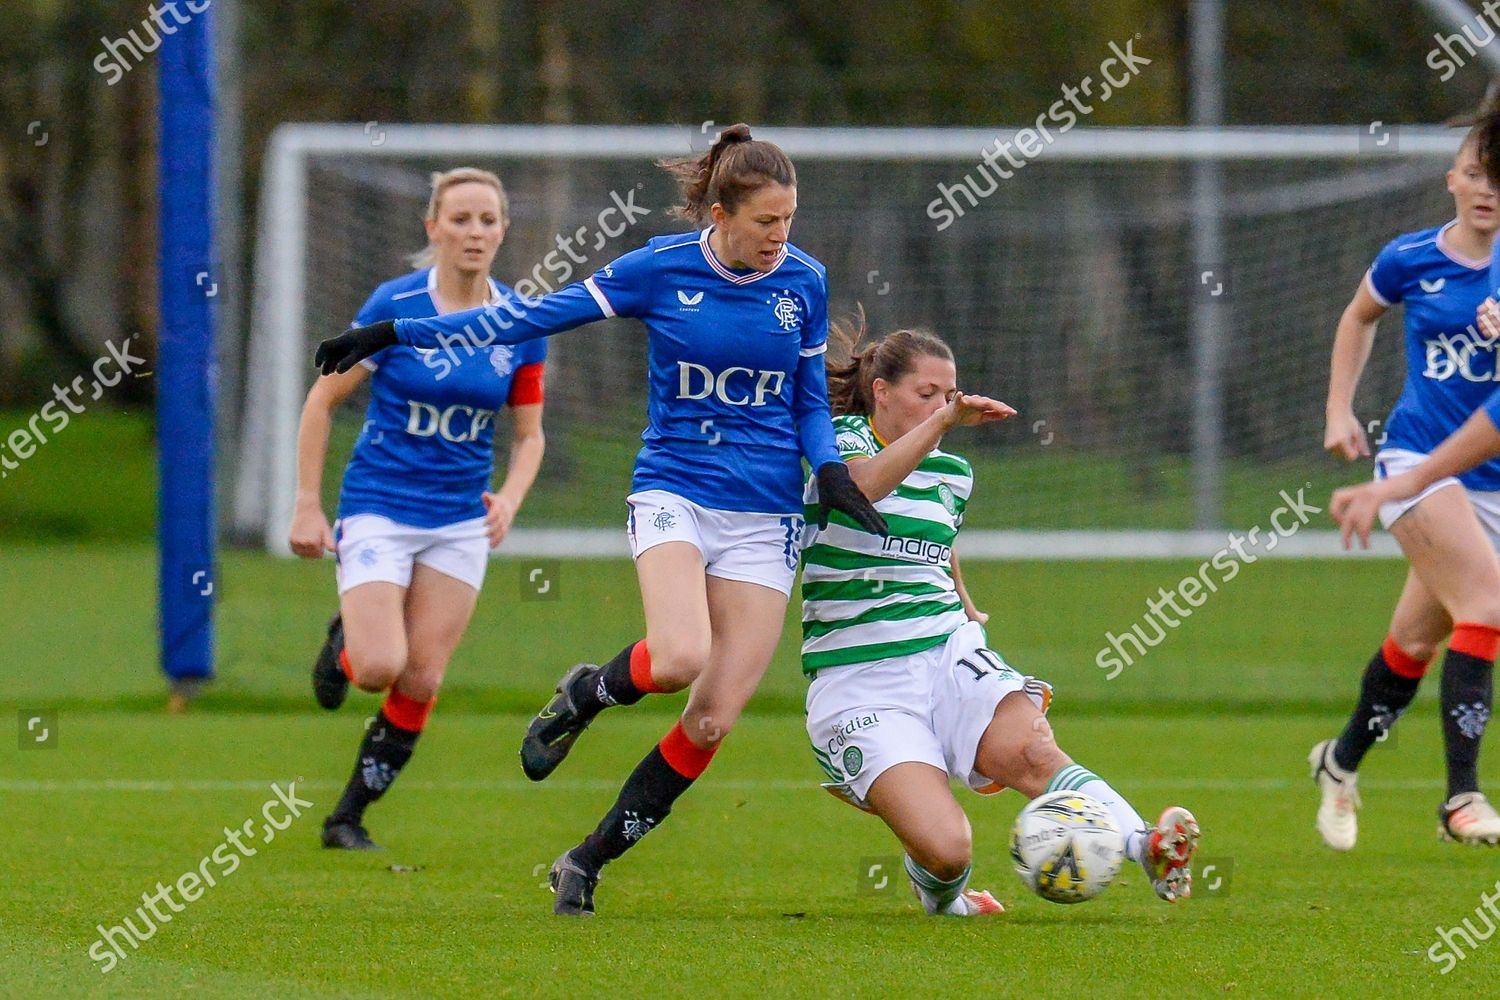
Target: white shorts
x=1394, y=461
x=371, y=548
x=931, y=707
x=735, y=545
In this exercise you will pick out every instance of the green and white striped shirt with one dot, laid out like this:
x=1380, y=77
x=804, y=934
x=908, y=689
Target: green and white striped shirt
x=864, y=597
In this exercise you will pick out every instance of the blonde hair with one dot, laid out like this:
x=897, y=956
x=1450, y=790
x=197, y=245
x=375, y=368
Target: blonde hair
x=442, y=182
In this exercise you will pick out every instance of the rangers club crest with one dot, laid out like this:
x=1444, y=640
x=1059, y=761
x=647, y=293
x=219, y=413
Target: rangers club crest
x=502, y=359
x=788, y=313
x=636, y=825
x=664, y=520
x=1471, y=719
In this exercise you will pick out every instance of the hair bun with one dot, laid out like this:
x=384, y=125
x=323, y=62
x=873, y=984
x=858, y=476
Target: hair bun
x=734, y=134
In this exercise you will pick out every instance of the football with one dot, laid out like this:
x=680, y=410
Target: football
x=1067, y=847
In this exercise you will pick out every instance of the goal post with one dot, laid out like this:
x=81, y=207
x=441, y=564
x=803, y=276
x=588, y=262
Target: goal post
x=1068, y=288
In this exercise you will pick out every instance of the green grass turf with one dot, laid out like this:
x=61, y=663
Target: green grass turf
x=757, y=885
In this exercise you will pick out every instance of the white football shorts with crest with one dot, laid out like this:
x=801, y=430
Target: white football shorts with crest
x=930, y=707
x=370, y=548
x=735, y=545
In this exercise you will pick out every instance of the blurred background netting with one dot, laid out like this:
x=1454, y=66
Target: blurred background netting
x=1068, y=292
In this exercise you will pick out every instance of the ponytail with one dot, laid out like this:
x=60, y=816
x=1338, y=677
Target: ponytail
x=851, y=382
x=734, y=166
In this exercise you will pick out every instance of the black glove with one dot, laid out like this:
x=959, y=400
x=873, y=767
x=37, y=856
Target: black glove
x=341, y=353
x=837, y=491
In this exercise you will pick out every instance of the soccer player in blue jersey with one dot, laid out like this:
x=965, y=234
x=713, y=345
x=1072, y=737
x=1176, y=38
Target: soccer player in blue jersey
x=738, y=324
x=1440, y=275
x=417, y=518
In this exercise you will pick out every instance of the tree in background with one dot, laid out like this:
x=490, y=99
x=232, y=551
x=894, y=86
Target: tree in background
x=77, y=210
x=77, y=195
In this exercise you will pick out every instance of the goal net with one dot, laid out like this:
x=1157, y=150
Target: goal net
x=1158, y=304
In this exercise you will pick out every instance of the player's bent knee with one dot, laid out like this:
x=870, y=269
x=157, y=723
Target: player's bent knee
x=706, y=725
x=678, y=664
x=375, y=672
x=945, y=854
x=1041, y=757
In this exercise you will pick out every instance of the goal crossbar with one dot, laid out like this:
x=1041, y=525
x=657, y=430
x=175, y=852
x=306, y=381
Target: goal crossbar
x=264, y=491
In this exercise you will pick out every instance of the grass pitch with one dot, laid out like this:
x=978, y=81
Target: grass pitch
x=760, y=884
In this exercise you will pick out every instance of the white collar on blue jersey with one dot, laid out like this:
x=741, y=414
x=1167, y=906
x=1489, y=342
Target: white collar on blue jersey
x=726, y=273
x=1452, y=252
x=432, y=287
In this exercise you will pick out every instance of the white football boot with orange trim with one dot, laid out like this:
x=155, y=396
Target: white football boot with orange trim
x=979, y=903
x=1469, y=819
x=1169, y=853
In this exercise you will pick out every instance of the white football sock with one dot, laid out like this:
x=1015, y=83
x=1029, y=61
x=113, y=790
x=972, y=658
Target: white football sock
x=1075, y=778
x=937, y=895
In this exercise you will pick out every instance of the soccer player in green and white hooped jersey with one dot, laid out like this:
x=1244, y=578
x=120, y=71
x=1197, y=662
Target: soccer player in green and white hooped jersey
x=905, y=691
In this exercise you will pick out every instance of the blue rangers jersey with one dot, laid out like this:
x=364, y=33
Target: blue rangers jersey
x=737, y=390
x=427, y=450
x=1450, y=366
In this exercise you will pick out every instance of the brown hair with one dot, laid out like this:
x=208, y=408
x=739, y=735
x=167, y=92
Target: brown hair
x=734, y=166
x=1484, y=137
x=442, y=182
x=851, y=382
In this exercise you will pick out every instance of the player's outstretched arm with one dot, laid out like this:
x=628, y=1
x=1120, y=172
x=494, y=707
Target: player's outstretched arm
x=1477, y=441
x=510, y=321
x=879, y=475
x=337, y=355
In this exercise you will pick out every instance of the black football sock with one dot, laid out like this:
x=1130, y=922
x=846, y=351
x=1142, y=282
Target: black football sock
x=382, y=754
x=618, y=682
x=1390, y=683
x=645, y=800
x=1467, y=694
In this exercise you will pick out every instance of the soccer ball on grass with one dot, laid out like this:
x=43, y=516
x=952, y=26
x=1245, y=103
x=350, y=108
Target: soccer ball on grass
x=1067, y=847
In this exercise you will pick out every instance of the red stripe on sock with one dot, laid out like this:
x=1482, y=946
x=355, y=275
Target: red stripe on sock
x=1479, y=641
x=686, y=757
x=407, y=713
x=344, y=662
x=640, y=669
x=1402, y=663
